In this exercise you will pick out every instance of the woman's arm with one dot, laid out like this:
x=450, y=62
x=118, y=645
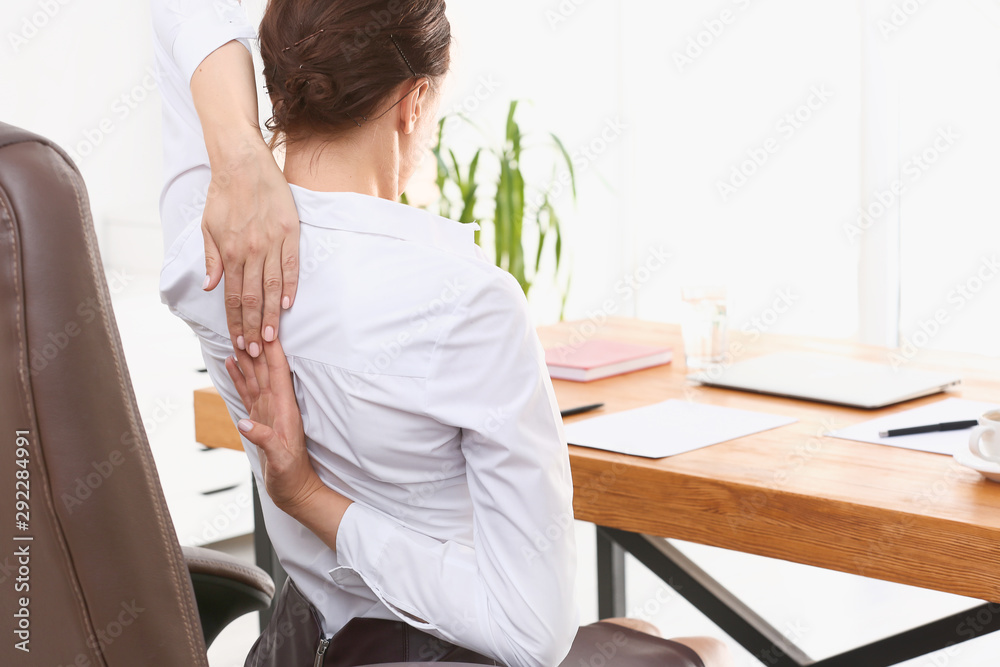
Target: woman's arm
x=249, y=220
x=274, y=425
x=250, y=225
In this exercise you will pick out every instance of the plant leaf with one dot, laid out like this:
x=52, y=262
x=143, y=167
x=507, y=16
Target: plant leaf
x=569, y=161
x=469, y=192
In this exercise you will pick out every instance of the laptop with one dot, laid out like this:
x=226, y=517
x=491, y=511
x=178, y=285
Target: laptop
x=827, y=379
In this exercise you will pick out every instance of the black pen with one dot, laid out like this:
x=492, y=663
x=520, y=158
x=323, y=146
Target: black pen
x=930, y=428
x=580, y=410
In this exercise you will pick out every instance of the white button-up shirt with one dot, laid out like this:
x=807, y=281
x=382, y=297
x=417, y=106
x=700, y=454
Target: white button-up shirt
x=424, y=396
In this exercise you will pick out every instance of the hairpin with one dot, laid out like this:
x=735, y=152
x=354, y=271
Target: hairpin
x=355, y=120
x=403, y=55
x=303, y=39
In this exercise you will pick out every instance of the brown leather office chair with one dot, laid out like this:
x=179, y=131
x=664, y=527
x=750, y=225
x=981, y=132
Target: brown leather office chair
x=91, y=570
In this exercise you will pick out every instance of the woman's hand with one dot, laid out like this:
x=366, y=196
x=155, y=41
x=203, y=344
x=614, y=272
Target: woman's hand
x=275, y=426
x=251, y=231
x=250, y=223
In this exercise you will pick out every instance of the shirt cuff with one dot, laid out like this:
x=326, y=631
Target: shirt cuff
x=202, y=33
x=362, y=539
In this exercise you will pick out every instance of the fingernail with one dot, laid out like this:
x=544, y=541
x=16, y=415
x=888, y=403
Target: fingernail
x=240, y=343
x=286, y=303
x=254, y=350
x=269, y=334
x=245, y=425
x=208, y=279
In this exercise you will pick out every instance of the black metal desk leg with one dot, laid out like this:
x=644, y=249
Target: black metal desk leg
x=264, y=554
x=610, y=578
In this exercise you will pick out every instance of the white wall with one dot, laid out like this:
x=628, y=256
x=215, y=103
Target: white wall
x=741, y=189
x=79, y=73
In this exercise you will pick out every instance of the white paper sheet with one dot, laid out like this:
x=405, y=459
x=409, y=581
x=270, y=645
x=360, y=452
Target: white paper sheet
x=669, y=428
x=940, y=442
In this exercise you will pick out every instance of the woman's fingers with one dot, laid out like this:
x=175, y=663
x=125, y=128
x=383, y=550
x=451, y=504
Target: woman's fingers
x=260, y=372
x=252, y=301
x=272, y=295
x=239, y=381
x=213, y=262
x=246, y=366
x=234, y=304
x=279, y=377
x=259, y=434
x=279, y=373
x=290, y=267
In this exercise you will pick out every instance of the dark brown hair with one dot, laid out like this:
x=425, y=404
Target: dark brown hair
x=330, y=64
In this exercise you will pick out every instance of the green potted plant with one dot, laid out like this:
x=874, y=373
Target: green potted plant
x=515, y=206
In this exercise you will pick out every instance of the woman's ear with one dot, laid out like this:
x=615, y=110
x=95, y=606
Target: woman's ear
x=415, y=105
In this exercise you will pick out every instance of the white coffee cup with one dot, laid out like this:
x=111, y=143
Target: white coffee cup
x=984, y=441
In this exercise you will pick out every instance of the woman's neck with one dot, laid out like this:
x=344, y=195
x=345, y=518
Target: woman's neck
x=367, y=163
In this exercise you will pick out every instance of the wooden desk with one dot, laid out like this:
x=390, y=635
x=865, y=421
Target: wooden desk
x=790, y=493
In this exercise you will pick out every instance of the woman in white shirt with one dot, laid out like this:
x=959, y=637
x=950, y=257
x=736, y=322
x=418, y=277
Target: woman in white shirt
x=427, y=481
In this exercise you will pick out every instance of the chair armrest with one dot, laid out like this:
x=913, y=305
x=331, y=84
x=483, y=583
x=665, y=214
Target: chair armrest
x=225, y=588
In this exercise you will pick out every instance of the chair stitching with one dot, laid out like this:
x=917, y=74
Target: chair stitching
x=250, y=573
x=33, y=418
x=105, y=303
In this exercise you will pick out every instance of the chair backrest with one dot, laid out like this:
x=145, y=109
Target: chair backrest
x=90, y=569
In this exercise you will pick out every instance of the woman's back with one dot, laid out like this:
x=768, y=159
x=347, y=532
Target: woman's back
x=424, y=399
x=422, y=385
x=381, y=284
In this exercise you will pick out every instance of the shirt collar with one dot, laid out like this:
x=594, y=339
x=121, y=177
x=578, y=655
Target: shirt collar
x=365, y=214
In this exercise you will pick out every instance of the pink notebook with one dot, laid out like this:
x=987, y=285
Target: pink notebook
x=596, y=359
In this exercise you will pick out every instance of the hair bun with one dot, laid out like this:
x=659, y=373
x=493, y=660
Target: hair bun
x=328, y=63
